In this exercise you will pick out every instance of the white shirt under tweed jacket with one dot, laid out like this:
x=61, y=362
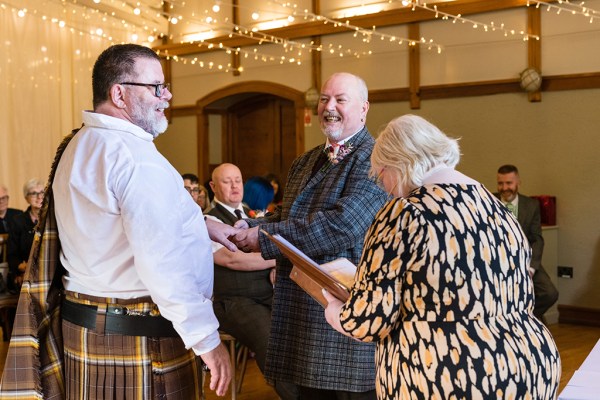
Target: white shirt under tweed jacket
x=326, y=217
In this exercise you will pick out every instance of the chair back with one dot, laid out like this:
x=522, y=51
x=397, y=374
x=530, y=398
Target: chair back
x=3, y=247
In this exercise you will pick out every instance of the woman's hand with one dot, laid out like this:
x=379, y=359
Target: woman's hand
x=332, y=312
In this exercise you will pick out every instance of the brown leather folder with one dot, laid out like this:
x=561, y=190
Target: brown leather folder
x=307, y=274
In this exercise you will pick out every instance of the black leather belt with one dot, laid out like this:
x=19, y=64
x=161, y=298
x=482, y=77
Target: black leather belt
x=118, y=321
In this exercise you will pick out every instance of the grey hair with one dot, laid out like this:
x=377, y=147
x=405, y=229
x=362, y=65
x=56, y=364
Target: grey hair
x=412, y=146
x=31, y=184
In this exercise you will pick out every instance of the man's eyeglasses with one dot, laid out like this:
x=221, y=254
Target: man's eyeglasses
x=159, y=88
x=35, y=194
x=192, y=190
x=3, y=198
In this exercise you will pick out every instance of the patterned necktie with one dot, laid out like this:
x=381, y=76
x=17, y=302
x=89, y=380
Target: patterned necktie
x=238, y=214
x=511, y=207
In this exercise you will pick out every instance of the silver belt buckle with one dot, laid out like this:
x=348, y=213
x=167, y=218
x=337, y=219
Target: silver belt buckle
x=121, y=310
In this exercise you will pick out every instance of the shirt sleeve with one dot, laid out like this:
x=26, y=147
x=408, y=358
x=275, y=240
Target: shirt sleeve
x=393, y=243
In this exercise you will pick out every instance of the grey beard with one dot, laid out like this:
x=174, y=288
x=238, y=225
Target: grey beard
x=159, y=128
x=334, y=136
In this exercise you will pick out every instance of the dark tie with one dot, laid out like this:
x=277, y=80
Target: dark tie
x=238, y=214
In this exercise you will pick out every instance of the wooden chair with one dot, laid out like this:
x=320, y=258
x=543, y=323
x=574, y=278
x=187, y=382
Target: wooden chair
x=8, y=302
x=3, y=247
x=239, y=358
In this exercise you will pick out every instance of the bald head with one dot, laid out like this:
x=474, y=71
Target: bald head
x=343, y=106
x=3, y=200
x=228, y=185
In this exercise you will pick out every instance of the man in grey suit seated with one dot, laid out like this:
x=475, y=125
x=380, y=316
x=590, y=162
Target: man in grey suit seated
x=328, y=204
x=243, y=291
x=527, y=211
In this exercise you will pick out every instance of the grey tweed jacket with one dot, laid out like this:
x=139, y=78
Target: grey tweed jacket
x=326, y=216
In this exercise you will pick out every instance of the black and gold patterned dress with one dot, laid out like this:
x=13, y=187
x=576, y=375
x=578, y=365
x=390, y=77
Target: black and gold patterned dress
x=442, y=287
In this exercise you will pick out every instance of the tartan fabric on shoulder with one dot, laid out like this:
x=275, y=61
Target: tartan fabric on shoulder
x=34, y=363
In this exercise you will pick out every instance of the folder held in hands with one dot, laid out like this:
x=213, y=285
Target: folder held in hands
x=336, y=276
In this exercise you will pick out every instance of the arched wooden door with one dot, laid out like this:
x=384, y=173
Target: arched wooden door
x=262, y=127
x=261, y=136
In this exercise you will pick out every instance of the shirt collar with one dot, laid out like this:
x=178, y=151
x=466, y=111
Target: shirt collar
x=94, y=119
x=231, y=209
x=514, y=202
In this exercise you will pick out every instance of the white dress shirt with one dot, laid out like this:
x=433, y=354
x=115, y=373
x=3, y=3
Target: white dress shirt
x=128, y=228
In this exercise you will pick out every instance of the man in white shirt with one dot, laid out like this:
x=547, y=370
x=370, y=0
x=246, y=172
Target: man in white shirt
x=527, y=212
x=135, y=247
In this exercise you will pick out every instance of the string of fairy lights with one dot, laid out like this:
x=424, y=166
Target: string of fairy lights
x=487, y=27
x=567, y=7
x=146, y=21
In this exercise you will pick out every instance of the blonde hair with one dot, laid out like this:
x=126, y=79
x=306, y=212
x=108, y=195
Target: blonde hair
x=30, y=184
x=412, y=146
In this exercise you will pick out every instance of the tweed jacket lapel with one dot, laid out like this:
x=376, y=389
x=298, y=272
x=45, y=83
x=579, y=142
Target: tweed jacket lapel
x=34, y=363
x=308, y=181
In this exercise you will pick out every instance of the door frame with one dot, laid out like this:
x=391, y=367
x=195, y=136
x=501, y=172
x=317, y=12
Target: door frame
x=296, y=96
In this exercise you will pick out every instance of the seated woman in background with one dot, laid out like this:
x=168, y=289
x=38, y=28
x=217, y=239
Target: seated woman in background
x=22, y=233
x=278, y=191
x=442, y=286
x=203, y=199
x=258, y=194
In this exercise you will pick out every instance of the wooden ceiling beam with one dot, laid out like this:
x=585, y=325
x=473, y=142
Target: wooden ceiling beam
x=318, y=28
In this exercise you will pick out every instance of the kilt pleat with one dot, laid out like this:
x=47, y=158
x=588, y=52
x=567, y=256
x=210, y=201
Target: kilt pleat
x=122, y=367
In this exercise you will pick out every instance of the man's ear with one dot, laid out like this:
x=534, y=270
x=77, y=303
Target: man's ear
x=117, y=95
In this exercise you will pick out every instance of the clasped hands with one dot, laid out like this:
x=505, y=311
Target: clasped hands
x=233, y=237
x=247, y=238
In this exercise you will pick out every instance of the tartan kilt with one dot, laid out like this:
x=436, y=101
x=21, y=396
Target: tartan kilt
x=103, y=365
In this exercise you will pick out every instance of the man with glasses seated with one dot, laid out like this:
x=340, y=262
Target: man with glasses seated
x=6, y=213
x=192, y=185
x=22, y=233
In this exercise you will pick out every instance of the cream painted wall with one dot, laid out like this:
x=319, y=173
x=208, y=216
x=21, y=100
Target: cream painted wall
x=554, y=143
x=179, y=144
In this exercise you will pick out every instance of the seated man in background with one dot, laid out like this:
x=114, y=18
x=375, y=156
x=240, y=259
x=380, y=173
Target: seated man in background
x=198, y=193
x=243, y=291
x=527, y=212
x=6, y=213
x=190, y=183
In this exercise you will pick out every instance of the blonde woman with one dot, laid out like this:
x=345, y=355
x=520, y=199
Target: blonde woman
x=442, y=286
x=22, y=233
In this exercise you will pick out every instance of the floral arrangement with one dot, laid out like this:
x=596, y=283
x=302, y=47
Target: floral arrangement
x=256, y=213
x=336, y=156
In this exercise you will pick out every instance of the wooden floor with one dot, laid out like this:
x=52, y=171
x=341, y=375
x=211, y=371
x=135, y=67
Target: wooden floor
x=574, y=343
